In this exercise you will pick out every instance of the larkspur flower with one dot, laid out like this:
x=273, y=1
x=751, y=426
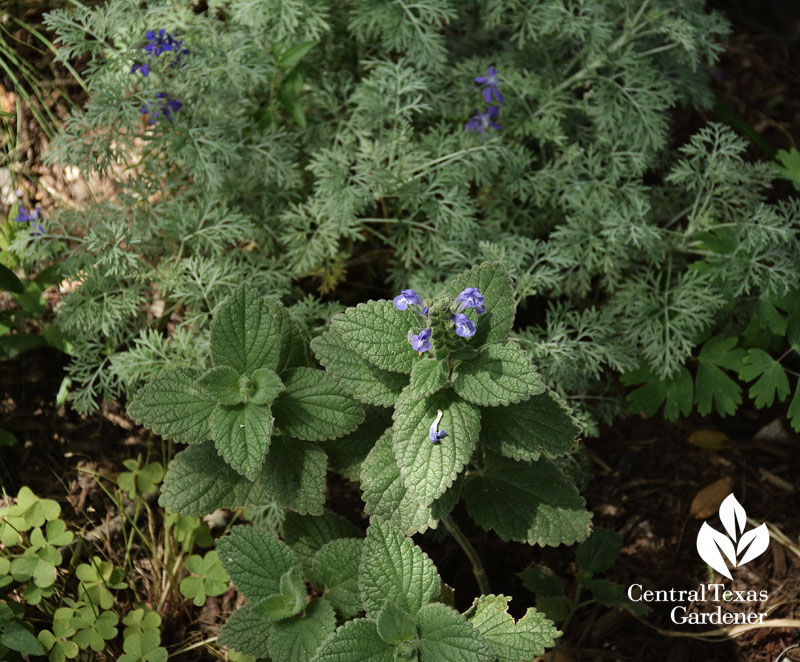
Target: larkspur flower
x=483, y=121
x=434, y=434
x=159, y=42
x=489, y=84
x=167, y=107
x=421, y=342
x=406, y=298
x=471, y=298
x=32, y=217
x=465, y=327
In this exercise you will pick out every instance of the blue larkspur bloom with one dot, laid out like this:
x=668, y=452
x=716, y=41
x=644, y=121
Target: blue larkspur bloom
x=471, y=298
x=489, y=84
x=465, y=327
x=406, y=298
x=31, y=218
x=483, y=121
x=165, y=108
x=158, y=42
x=421, y=342
x=434, y=433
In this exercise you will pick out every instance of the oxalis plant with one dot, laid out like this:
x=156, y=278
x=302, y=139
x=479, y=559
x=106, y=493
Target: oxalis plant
x=470, y=416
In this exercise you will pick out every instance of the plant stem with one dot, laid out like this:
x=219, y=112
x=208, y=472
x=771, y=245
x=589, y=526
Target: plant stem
x=472, y=555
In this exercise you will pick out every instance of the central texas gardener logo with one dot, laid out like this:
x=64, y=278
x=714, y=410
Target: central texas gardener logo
x=715, y=547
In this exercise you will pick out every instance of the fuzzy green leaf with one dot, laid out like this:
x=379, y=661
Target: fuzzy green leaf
x=255, y=559
x=599, y=551
x=379, y=333
x=542, y=581
x=772, y=379
x=355, y=641
x=291, y=599
x=528, y=502
x=394, y=625
x=494, y=284
x=394, y=568
x=314, y=407
x=360, y=378
x=245, y=332
x=346, y=454
x=294, y=474
x=221, y=384
x=307, y=534
x=427, y=377
x=542, y=425
x=247, y=631
x=500, y=375
x=335, y=571
x=428, y=469
x=297, y=639
x=241, y=435
x=264, y=387
x=512, y=642
x=444, y=634
x=199, y=481
x=173, y=406
x=385, y=494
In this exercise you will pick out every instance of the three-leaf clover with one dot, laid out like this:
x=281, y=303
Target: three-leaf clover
x=208, y=578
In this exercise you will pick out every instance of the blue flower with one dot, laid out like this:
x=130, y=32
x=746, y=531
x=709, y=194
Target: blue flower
x=166, y=108
x=483, y=121
x=465, y=327
x=421, y=342
x=434, y=434
x=489, y=84
x=471, y=298
x=159, y=42
x=31, y=217
x=406, y=297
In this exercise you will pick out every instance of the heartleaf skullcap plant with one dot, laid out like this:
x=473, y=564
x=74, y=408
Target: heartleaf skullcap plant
x=465, y=327
x=406, y=297
x=421, y=341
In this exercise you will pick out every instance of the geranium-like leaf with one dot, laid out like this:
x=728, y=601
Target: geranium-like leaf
x=173, y=406
x=379, y=333
x=500, y=375
x=242, y=434
x=772, y=380
x=314, y=407
x=529, y=502
x=428, y=469
x=363, y=380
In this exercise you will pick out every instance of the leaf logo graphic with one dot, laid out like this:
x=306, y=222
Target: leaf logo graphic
x=715, y=547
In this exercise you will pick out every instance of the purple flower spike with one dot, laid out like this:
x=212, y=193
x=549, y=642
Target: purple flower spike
x=471, y=298
x=483, y=121
x=465, y=327
x=489, y=84
x=25, y=216
x=421, y=342
x=434, y=434
x=406, y=298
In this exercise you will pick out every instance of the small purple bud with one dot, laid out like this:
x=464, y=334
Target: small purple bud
x=434, y=434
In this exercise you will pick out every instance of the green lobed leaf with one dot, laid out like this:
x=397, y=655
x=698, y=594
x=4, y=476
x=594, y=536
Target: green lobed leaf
x=208, y=578
x=541, y=425
x=355, y=641
x=494, y=283
x=542, y=581
x=528, y=502
x=360, y=378
x=599, y=551
x=712, y=385
x=255, y=559
x=335, y=571
x=143, y=647
x=394, y=568
x=500, y=375
x=428, y=377
x=314, y=407
x=221, y=384
x=394, y=625
x=297, y=639
x=606, y=592
x=173, y=406
x=378, y=332
x=677, y=393
x=428, y=469
x=385, y=494
x=198, y=481
x=241, y=435
x=345, y=455
x=444, y=634
x=294, y=474
x=247, y=631
x=244, y=332
x=511, y=641
x=772, y=380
